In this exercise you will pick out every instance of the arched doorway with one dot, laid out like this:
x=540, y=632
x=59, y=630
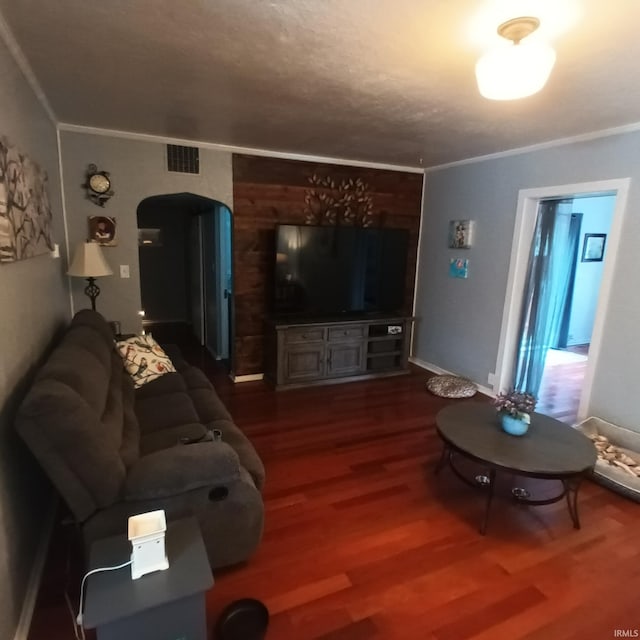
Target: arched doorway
x=184, y=243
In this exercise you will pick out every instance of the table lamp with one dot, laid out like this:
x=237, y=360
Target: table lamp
x=88, y=262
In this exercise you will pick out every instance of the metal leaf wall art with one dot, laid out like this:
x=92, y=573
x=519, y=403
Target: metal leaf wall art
x=25, y=212
x=348, y=202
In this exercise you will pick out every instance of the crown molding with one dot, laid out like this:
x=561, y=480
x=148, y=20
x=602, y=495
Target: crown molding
x=550, y=144
x=202, y=144
x=6, y=34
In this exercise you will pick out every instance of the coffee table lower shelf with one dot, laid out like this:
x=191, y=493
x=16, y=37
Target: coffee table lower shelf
x=570, y=485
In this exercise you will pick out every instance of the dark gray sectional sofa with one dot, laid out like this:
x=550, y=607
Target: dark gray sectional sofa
x=113, y=451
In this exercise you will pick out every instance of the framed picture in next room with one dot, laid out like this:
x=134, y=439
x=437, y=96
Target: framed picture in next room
x=593, y=247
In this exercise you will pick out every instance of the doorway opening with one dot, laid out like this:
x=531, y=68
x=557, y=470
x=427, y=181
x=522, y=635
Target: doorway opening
x=185, y=254
x=562, y=267
x=566, y=359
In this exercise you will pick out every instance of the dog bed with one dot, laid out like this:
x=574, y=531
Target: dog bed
x=447, y=386
x=624, y=441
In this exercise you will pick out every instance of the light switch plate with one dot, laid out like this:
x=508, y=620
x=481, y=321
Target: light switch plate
x=124, y=271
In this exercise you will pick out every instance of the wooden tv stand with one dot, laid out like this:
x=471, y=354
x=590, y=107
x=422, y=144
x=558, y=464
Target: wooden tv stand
x=308, y=352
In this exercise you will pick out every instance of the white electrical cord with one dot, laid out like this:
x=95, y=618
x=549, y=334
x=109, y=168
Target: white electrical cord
x=79, y=636
x=78, y=620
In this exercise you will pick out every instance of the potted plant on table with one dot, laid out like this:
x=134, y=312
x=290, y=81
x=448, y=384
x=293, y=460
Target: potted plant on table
x=515, y=408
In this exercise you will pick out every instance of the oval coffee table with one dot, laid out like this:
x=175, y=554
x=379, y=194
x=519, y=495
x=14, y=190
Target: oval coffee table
x=550, y=450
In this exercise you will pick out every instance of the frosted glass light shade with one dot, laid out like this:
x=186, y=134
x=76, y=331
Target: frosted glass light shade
x=515, y=71
x=88, y=262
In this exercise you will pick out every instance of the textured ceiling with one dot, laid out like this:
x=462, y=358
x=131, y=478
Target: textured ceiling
x=379, y=80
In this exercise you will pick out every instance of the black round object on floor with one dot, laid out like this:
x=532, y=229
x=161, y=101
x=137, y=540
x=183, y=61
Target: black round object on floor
x=245, y=619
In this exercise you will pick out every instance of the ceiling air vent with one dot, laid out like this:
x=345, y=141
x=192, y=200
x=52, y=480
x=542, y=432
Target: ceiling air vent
x=183, y=159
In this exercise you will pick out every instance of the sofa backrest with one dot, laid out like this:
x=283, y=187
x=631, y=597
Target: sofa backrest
x=78, y=417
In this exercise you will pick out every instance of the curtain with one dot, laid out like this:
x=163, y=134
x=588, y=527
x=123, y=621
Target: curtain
x=547, y=285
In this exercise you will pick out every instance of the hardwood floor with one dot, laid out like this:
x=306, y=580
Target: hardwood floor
x=363, y=542
x=561, y=387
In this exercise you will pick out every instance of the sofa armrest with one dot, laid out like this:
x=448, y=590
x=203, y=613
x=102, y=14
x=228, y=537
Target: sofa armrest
x=173, y=471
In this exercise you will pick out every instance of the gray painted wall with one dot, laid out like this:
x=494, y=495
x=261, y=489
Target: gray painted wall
x=459, y=321
x=138, y=171
x=34, y=305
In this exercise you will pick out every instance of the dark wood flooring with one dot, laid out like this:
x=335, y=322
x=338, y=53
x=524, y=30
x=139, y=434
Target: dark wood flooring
x=561, y=388
x=363, y=542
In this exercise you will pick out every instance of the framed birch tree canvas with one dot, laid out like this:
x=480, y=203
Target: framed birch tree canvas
x=25, y=211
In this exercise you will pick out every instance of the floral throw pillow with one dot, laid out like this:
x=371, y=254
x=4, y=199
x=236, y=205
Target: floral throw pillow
x=144, y=359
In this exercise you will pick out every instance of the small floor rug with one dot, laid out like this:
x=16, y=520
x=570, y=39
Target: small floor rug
x=447, y=386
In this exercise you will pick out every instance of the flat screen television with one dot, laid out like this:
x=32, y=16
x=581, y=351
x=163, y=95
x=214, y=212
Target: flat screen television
x=326, y=271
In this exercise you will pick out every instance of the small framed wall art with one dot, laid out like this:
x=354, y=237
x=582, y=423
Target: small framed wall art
x=458, y=268
x=593, y=247
x=461, y=234
x=102, y=229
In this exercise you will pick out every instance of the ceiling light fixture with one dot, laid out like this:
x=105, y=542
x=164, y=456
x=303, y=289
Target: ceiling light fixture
x=518, y=70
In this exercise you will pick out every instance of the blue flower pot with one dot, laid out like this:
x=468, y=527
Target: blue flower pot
x=514, y=426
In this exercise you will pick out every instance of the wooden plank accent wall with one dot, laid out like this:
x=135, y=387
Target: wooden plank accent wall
x=271, y=191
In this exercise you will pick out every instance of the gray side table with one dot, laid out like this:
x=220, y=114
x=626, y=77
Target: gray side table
x=166, y=605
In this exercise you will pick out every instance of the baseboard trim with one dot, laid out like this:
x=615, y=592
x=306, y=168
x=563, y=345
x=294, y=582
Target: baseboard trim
x=35, y=577
x=487, y=391
x=251, y=377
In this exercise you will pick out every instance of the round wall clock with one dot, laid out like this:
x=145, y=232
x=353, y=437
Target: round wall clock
x=98, y=186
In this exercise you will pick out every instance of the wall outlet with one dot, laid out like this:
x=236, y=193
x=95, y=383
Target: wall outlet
x=124, y=271
x=491, y=379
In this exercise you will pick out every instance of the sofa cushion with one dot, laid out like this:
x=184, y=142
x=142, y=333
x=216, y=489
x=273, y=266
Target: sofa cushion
x=94, y=321
x=208, y=405
x=82, y=363
x=247, y=454
x=173, y=351
x=170, y=437
x=169, y=383
x=180, y=469
x=195, y=378
x=89, y=365
x=65, y=434
x=163, y=411
x=144, y=359
x=130, y=442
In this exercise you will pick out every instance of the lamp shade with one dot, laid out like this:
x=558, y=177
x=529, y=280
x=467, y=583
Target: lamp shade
x=515, y=71
x=88, y=262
